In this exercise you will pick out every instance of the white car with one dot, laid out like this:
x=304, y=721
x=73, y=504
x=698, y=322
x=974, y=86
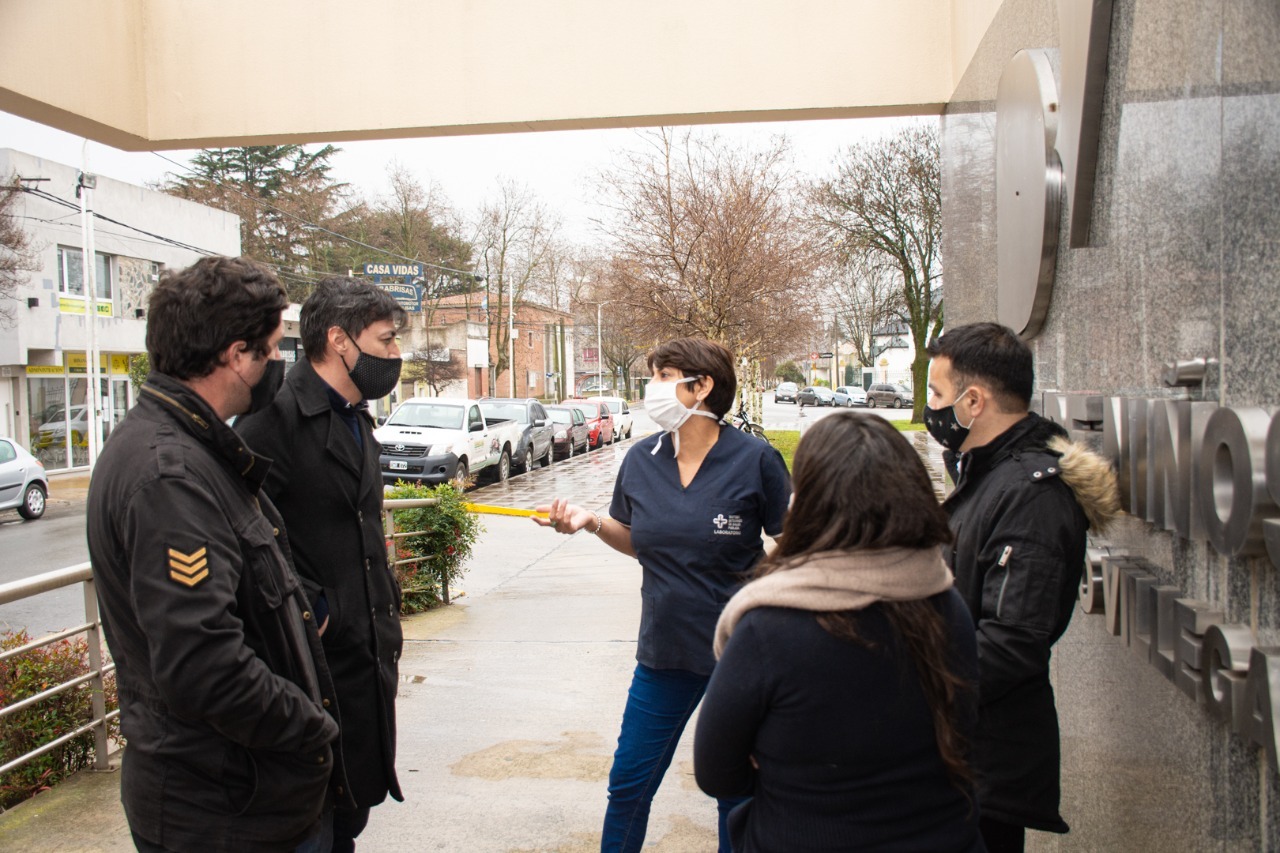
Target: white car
x=621, y=411
x=436, y=439
x=851, y=395
x=54, y=431
x=23, y=482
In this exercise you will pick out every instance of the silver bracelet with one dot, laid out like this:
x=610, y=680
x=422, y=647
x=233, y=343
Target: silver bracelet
x=599, y=524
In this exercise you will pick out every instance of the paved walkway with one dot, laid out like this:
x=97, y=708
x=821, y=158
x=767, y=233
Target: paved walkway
x=508, y=709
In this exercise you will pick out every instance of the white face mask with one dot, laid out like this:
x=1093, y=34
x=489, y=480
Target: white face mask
x=662, y=404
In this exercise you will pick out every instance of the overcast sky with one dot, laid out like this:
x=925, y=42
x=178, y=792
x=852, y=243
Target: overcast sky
x=558, y=166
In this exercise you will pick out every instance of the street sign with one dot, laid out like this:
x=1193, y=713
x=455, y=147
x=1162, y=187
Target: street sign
x=825, y=355
x=813, y=356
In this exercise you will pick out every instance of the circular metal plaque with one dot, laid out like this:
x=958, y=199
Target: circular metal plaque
x=1028, y=191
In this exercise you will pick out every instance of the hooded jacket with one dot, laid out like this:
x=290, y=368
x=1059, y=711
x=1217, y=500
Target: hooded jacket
x=1020, y=512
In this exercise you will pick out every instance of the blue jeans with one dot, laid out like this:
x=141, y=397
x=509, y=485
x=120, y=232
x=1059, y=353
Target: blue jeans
x=659, y=705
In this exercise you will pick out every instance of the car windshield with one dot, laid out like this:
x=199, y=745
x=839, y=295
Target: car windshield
x=505, y=412
x=430, y=415
x=561, y=416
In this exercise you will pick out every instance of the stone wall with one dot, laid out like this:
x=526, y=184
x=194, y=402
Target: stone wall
x=1184, y=262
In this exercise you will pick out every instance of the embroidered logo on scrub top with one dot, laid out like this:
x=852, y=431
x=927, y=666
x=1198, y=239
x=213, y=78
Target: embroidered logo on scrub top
x=730, y=525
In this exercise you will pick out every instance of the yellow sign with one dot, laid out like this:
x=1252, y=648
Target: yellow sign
x=75, y=305
x=119, y=364
x=78, y=362
x=44, y=370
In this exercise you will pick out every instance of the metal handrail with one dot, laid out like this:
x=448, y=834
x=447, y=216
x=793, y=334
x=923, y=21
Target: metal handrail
x=389, y=506
x=81, y=573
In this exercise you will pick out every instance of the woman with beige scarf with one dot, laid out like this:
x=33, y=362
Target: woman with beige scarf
x=844, y=694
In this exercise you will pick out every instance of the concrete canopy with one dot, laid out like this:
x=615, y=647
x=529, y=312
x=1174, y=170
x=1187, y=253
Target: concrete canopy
x=165, y=74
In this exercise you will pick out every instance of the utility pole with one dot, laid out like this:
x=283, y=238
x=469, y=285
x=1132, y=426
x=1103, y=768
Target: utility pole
x=511, y=344
x=86, y=184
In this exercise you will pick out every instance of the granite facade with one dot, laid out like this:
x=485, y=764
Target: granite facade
x=1183, y=261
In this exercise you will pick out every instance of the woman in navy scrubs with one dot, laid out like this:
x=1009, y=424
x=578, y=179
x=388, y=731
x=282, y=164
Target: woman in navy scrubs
x=690, y=503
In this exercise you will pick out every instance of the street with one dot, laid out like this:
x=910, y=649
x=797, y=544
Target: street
x=58, y=540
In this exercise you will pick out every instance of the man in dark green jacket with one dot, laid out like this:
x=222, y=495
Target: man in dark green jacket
x=326, y=480
x=223, y=686
x=1023, y=502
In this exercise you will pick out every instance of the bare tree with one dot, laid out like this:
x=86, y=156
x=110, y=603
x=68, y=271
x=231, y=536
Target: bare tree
x=867, y=295
x=437, y=369
x=886, y=196
x=708, y=240
x=17, y=255
x=515, y=239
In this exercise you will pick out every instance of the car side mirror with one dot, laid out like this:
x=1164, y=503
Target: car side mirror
x=381, y=420
x=541, y=422
x=477, y=427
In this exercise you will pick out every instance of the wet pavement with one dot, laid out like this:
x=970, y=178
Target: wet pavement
x=509, y=703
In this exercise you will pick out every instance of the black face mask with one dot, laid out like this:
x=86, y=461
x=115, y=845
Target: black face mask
x=945, y=428
x=375, y=377
x=261, y=394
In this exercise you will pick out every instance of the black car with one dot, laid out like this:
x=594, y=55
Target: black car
x=785, y=392
x=536, y=429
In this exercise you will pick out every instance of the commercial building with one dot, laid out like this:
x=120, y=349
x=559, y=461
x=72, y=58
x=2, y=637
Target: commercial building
x=44, y=384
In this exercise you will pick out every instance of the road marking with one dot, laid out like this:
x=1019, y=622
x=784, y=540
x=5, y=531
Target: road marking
x=486, y=509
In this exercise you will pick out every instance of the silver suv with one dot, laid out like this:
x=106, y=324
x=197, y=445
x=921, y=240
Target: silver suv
x=887, y=394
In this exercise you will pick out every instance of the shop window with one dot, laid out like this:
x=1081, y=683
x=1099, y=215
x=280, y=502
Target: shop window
x=71, y=273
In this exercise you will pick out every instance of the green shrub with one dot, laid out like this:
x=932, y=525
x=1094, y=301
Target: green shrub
x=449, y=534
x=31, y=673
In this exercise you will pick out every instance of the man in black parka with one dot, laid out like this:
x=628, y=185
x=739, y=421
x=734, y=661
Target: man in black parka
x=325, y=478
x=225, y=699
x=1024, y=499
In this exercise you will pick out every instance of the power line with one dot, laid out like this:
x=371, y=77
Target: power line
x=312, y=225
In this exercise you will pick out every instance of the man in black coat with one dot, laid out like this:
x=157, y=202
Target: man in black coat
x=1023, y=502
x=325, y=478
x=223, y=685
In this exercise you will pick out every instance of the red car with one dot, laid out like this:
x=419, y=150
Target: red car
x=599, y=420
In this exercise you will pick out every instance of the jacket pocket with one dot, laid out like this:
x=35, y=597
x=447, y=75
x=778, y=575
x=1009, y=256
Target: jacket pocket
x=273, y=579
x=289, y=791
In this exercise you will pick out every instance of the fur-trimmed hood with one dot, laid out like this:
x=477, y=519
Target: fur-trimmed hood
x=1091, y=478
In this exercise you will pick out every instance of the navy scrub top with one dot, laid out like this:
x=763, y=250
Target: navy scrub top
x=696, y=544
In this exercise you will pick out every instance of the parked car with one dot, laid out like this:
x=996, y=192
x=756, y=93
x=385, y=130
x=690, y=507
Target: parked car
x=785, y=392
x=54, y=430
x=436, y=439
x=535, y=428
x=888, y=394
x=599, y=420
x=816, y=395
x=621, y=411
x=571, y=433
x=24, y=486
x=850, y=395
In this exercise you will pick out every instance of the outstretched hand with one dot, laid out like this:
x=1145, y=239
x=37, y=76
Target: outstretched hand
x=564, y=517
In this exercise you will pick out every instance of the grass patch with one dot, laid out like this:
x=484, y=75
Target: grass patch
x=787, y=439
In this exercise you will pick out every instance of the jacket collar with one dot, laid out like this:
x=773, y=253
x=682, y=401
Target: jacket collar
x=1031, y=433
x=189, y=410
x=312, y=394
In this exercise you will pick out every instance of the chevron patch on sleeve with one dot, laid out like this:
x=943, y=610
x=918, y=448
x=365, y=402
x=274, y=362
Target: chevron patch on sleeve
x=188, y=569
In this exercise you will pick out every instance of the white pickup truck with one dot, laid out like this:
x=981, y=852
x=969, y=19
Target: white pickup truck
x=435, y=439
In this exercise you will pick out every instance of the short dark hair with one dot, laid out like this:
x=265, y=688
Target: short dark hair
x=351, y=304
x=196, y=313
x=858, y=483
x=701, y=357
x=992, y=354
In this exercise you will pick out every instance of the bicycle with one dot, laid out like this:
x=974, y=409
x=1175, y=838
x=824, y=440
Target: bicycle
x=744, y=423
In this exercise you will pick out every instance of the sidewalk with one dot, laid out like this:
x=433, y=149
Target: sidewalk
x=508, y=709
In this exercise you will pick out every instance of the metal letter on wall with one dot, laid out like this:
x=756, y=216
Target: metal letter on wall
x=1233, y=481
x=1084, y=32
x=1028, y=191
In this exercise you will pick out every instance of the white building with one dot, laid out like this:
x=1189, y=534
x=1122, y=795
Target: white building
x=892, y=353
x=43, y=375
